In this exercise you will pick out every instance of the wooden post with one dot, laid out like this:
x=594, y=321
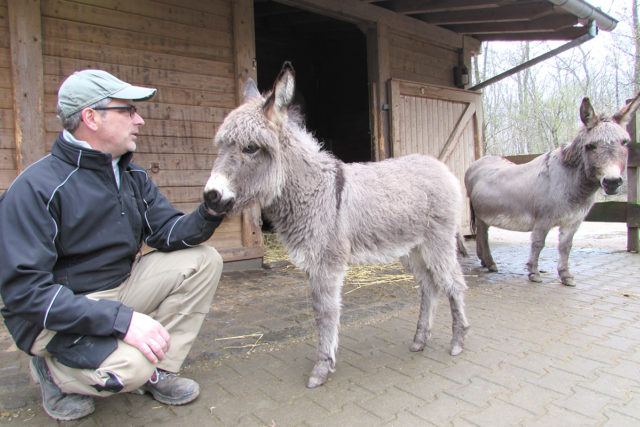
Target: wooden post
x=27, y=72
x=245, y=60
x=633, y=190
x=379, y=70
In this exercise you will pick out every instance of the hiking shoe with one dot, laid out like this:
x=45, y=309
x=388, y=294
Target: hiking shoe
x=58, y=405
x=170, y=389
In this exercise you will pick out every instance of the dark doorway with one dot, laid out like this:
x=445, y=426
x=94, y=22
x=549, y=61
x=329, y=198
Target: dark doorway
x=329, y=57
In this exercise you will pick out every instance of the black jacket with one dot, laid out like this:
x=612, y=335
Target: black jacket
x=66, y=230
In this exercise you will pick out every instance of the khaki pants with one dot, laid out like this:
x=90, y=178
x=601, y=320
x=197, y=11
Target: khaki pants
x=175, y=288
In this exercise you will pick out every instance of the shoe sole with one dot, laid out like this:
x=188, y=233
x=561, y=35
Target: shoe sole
x=166, y=400
x=36, y=377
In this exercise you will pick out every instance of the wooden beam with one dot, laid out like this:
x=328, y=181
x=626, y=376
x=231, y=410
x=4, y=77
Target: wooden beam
x=511, y=13
x=421, y=6
x=362, y=12
x=244, y=47
x=245, y=67
x=25, y=34
x=379, y=71
x=454, y=137
x=633, y=185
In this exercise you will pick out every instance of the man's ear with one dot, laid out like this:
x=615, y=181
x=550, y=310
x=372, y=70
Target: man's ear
x=91, y=118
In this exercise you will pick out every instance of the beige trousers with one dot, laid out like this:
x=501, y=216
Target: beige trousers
x=175, y=288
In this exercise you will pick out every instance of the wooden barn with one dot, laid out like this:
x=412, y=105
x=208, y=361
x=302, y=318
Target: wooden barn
x=376, y=78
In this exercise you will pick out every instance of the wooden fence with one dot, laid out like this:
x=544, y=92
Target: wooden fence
x=617, y=211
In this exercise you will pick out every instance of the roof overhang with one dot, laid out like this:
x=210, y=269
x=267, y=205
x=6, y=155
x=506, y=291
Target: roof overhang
x=505, y=20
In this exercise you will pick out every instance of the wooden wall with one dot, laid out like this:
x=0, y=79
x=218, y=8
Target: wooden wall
x=184, y=48
x=417, y=59
x=7, y=143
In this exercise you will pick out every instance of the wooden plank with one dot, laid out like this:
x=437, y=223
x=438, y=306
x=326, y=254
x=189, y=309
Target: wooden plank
x=66, y=30
x=634, y=155
x=165, y=95
x=608, y=212
x=237, y=254
x=6, y=178
x=180, y=179
x=28, y=88
x=163, y=111
x=521, y=158
x=65, y=66
x=454, y=137
x=119, y=55
x=72, y=11
x=161, y=11
x=164, y=128
x=6, y=119
x=5, y=78
x=5, y=55
x=160, y=144
x=7, y=160
x=172, y=161
x=215, y=7
x=183, y=194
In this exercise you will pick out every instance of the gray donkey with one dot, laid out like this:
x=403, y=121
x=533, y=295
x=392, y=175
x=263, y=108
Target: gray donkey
x=329, y=214
x=557, y=188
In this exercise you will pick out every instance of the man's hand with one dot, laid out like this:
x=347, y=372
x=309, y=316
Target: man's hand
x=148, y=336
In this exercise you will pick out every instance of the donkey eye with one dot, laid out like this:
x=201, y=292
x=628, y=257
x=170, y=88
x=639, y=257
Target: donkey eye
x=626, y=142
x=590, y=147
x=250, y=149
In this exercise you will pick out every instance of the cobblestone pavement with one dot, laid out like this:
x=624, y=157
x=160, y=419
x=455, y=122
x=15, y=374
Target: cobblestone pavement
x=536, y=354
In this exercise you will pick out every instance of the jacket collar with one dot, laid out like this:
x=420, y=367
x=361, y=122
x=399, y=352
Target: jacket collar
x=86, y=158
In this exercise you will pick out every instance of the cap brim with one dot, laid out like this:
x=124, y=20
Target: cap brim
x=134, y=93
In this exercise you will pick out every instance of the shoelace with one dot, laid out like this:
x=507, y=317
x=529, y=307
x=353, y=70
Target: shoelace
x=160, y=375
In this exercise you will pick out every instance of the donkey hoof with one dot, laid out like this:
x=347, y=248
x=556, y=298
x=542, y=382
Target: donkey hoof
x=493, y=268
x=315, y=382
x=456, y=349
x=535, y=277
x=568, y=281
x=416, y=346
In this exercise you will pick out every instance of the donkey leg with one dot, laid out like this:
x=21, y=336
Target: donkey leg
x=460, y=323
x=538, y=237
x=429, y=294
x=482, y=245
x=325, y=294
x=447, y=274
x=565, y=242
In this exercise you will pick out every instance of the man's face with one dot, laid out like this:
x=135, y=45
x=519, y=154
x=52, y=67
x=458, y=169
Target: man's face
x=117, y=129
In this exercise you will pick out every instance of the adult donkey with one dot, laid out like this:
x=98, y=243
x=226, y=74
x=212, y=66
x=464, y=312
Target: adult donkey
x=557, y=188
x=328, y=213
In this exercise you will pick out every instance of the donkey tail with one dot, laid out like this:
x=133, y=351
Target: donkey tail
x=473, y=219
x=462, y=250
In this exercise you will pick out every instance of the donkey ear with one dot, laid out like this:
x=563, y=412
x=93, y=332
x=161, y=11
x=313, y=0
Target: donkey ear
x=250, y=90
x=624, y=115
x=588, y=114
x=282, y=94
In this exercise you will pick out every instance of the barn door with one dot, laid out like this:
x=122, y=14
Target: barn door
x=443, y=122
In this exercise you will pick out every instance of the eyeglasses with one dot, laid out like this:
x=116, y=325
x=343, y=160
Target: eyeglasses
x=130, y=108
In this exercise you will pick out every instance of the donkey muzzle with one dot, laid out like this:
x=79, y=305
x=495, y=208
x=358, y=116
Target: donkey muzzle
x=218, y=194
x=213, y=201
x=611, y=185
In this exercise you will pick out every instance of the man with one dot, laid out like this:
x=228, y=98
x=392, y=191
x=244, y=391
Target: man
x=77, y=292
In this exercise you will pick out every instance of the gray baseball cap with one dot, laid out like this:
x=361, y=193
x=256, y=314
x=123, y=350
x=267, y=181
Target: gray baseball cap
x=86, y=87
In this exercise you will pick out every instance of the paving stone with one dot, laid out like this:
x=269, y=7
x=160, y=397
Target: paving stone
x=536, y=355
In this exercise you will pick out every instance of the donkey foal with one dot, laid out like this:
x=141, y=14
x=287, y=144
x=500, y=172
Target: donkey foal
x=329, y=214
